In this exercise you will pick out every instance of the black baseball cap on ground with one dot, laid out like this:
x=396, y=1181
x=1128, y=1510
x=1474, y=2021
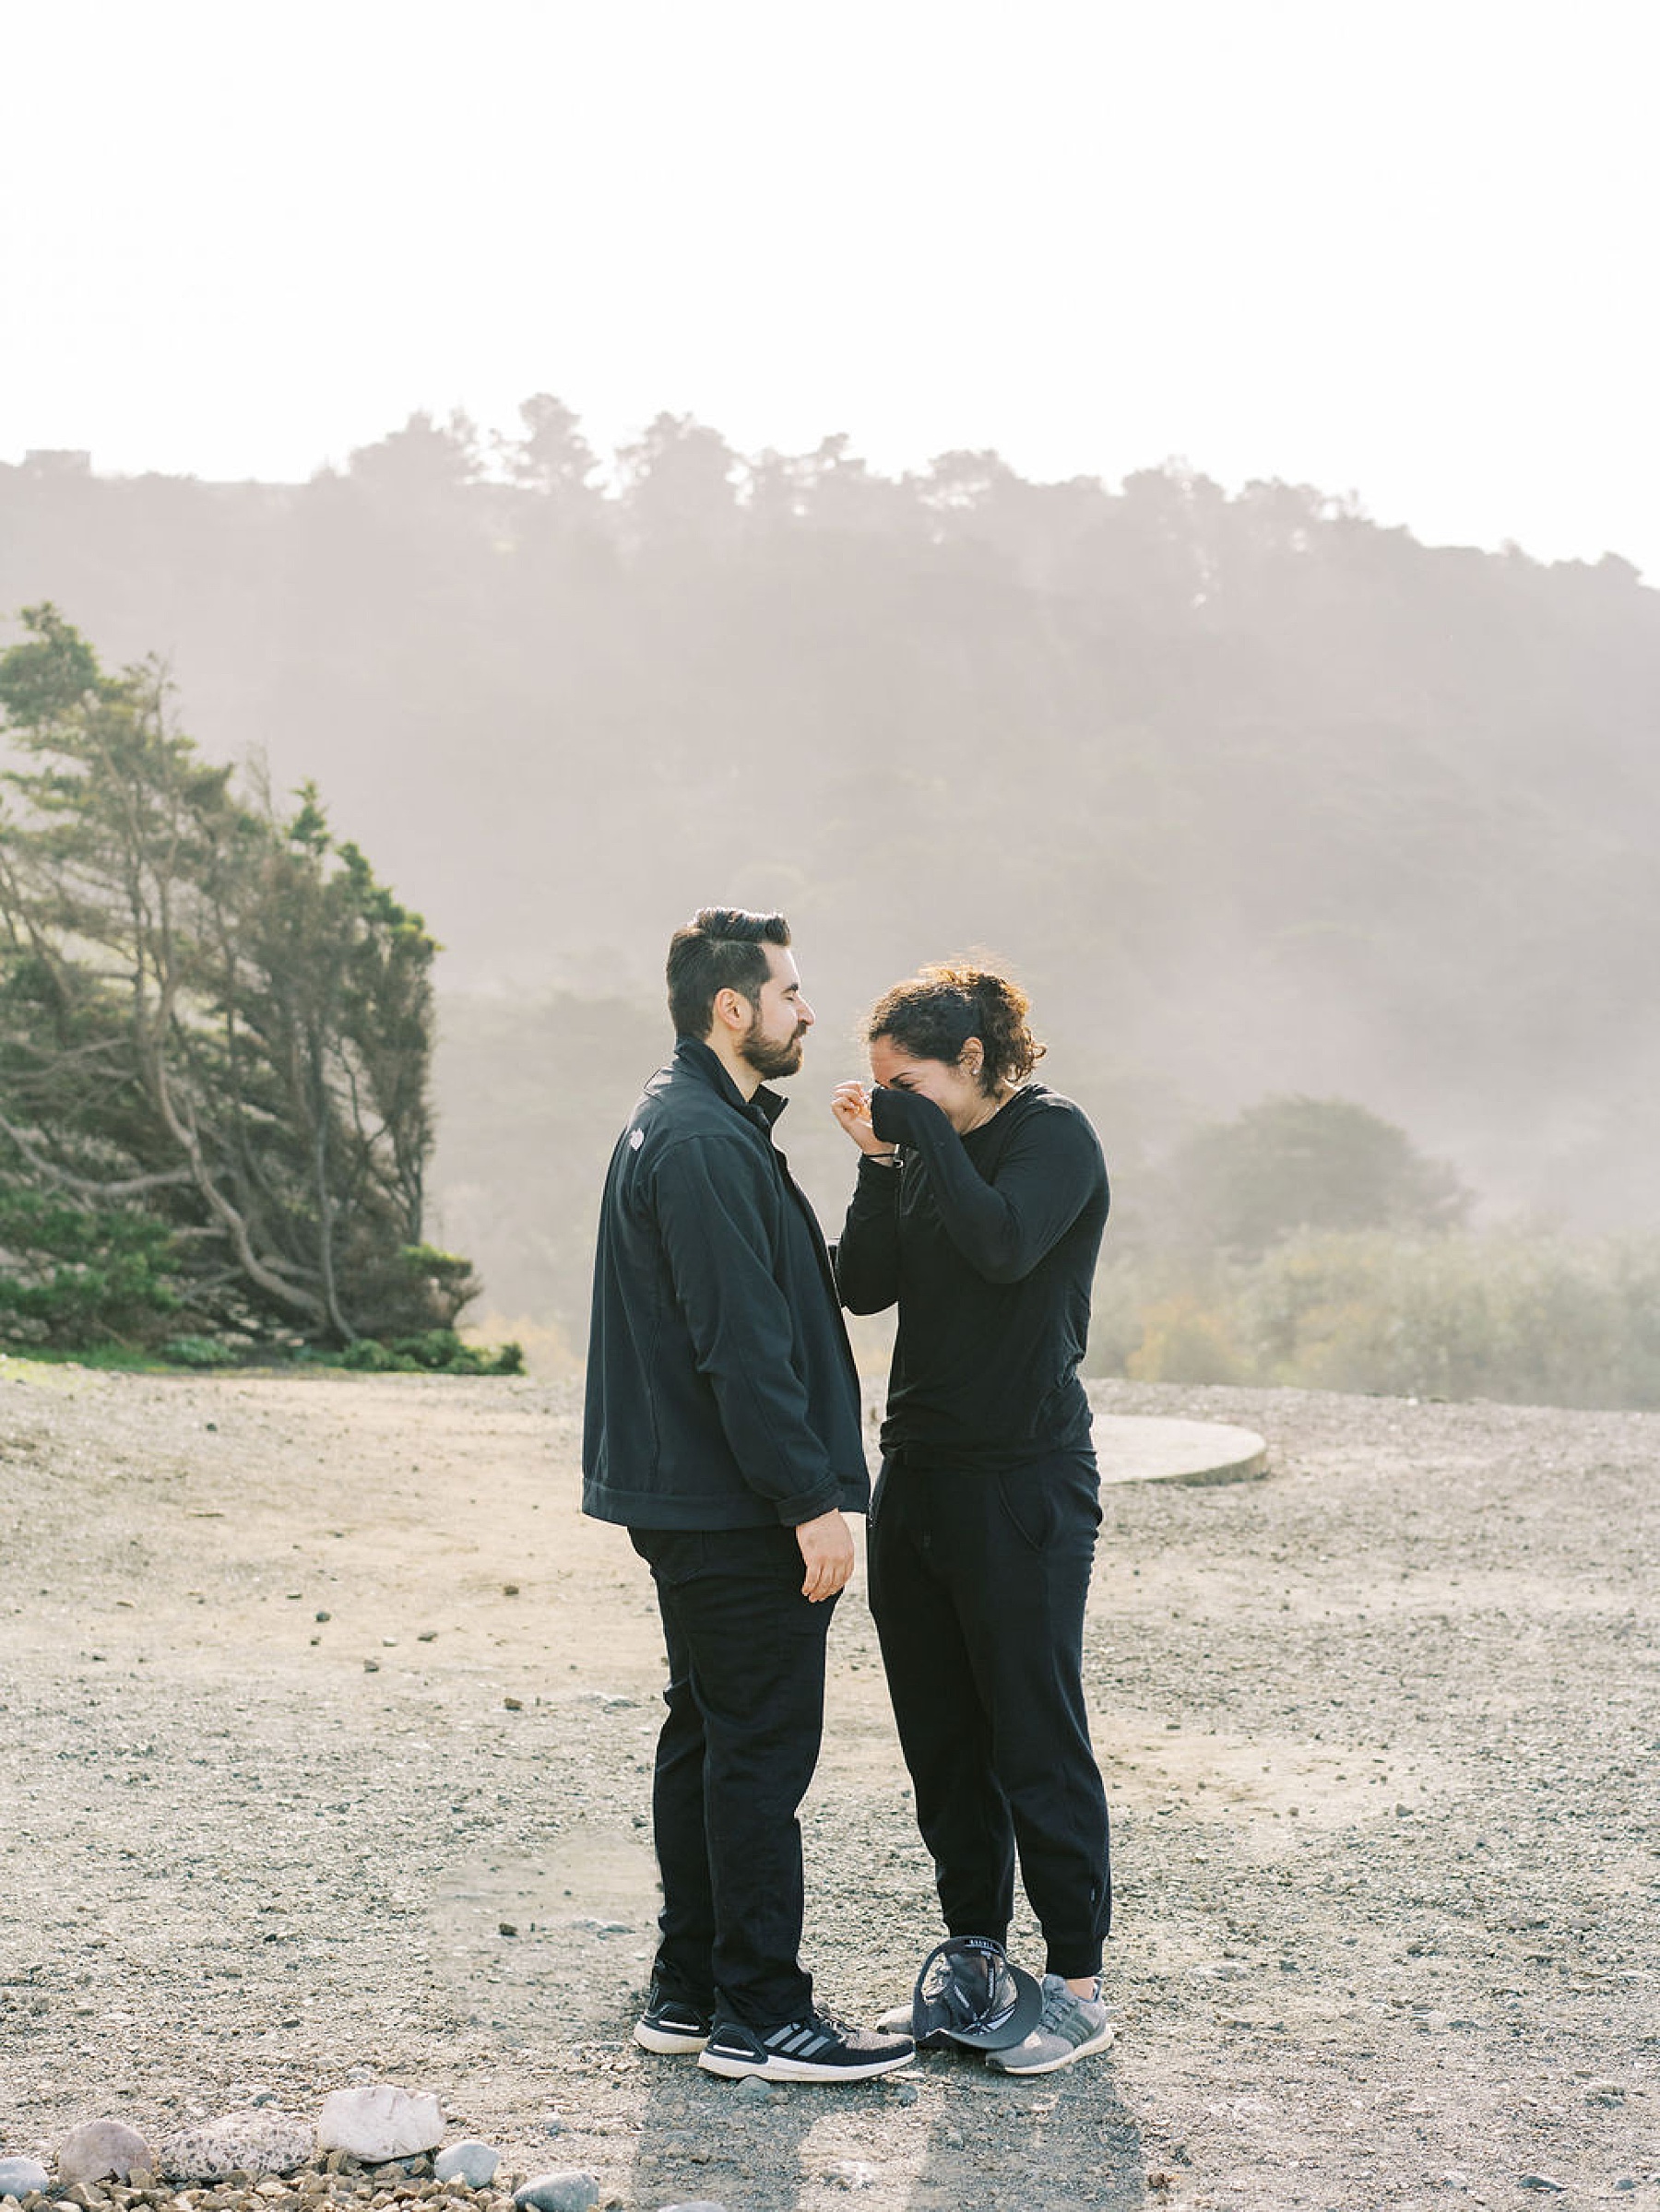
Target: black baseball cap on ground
x=970, y=1990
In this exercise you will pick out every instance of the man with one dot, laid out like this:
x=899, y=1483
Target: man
x=723, y=1431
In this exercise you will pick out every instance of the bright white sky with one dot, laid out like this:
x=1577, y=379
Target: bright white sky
x=1404, y=247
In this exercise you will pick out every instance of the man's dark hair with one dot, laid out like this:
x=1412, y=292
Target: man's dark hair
x=721, y=948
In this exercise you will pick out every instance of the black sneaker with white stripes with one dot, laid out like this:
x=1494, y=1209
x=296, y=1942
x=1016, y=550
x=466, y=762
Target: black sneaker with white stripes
x=816, y=2049
x=671, y=2024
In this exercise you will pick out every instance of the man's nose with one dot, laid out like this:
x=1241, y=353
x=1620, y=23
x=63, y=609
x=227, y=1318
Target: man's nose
x=804, y=1014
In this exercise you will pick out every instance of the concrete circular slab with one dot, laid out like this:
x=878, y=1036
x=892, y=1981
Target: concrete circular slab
x=1136, y=1448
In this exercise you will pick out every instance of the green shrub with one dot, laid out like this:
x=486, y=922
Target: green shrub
x=77, y=1276
x=1184, y=1340
x=198, y=1352
x=1516, y=1315
x=431, y=1352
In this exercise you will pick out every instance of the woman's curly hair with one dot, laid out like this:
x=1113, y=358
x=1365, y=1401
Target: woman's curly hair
x=934, y=1015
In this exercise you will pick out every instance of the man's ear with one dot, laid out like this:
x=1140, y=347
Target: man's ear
x=732, y=1009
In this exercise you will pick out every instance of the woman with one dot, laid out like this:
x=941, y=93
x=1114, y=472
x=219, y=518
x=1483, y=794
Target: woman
x=978, y=1211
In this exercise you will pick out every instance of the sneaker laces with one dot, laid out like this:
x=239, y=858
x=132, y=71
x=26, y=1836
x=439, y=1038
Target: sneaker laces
x=1059, y=2000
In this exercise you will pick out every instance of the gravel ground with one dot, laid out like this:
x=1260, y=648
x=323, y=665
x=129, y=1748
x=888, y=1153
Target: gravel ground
x=327, y=1727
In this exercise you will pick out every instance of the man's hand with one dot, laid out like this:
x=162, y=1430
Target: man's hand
x=828, y=1549
x=851, y=1103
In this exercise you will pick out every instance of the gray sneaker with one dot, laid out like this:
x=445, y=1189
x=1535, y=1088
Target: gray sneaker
x=1071, y=2028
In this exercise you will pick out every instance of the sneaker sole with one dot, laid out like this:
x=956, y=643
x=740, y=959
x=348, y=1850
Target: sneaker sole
x=1053, y=2065
x=797, y=2069
x=668, y=2043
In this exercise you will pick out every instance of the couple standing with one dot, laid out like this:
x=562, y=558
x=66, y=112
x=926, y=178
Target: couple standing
x=723, y=1431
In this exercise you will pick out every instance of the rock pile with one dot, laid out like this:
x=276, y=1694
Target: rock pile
x=370, y=2151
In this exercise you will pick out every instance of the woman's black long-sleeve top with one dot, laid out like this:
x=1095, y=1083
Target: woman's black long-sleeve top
x=987, y=1244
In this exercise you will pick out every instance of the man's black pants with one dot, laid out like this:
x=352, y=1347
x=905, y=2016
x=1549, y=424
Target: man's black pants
x=979, y=1577
x=746, y=1708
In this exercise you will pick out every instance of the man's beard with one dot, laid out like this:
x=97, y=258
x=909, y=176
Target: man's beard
x=771, y=1059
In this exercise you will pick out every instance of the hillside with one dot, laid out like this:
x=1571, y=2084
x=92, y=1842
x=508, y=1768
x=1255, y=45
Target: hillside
x=1256, y=795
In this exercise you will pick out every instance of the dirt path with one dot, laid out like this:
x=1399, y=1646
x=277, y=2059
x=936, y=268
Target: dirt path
x=1381, y=1736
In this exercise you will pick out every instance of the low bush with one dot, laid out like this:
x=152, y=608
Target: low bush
x=1516, y=1315
x=432, y=1352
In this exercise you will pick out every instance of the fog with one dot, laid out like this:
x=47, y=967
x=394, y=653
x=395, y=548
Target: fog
x=1254, y=795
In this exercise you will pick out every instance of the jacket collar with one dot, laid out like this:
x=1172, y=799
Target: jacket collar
x=692, y=1057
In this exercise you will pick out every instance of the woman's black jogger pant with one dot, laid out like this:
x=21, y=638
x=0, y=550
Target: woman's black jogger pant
x=977, y=1582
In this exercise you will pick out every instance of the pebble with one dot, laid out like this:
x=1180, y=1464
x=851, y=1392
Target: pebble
x=752, y=2086
x=1540, y=2181
x=902, y=2092
x=379, y=2122
x=472, y=2162
x=20, y=2177
x=566, y=2192
x=260, y=2139
x=102, y=2150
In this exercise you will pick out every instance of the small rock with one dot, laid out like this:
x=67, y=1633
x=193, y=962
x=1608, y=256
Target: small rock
x=511, y=1589
x=703, y=2204
x=427, y=1636
x=472, y=2162
x=325, y=1616
x=901, y=2092
x=1540, y=2181
x=552, y=2125
x=260, y=2139
x=371, y=1666
x=102, y=2150
x=506, y=1927
x=1604, y=2092
x=21, y=2177
x=852, y=2173
x=752, y=2086
x=567, y=2192
x=379, y=2122
x=514, y=1705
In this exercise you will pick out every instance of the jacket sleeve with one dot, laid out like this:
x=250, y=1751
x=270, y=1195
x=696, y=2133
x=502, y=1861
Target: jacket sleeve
x=866, y=1256
x=712, y=1217
x=1002, y=1229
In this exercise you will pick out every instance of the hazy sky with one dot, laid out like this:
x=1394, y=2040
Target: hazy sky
x=1404, y=247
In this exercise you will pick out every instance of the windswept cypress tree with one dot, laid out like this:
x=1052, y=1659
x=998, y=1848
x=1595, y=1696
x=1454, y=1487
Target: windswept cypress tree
x=215, y=1037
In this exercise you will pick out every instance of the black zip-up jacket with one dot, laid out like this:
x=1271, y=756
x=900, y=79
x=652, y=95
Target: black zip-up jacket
x=721, y=1391
x=987, y=1244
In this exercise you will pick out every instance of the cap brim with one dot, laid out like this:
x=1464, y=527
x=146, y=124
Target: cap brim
x=1015, y=2007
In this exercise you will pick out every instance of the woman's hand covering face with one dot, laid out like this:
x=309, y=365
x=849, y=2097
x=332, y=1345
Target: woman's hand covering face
x=851, y=1103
